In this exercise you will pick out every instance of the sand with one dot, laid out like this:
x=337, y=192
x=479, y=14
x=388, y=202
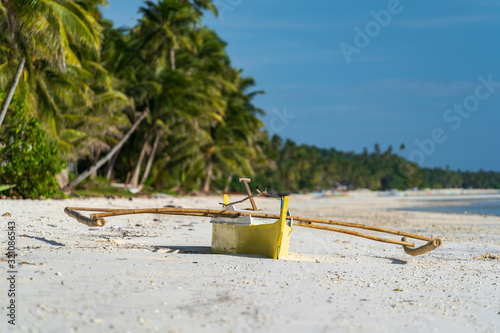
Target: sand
x=156, y=273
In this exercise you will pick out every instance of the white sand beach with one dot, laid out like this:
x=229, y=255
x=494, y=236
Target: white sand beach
x=156, y=273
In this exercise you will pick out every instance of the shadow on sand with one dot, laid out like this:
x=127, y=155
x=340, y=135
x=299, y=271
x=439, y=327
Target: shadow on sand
x=199, y=250
x=183, y=249
x=43, y=239
x=395, y=261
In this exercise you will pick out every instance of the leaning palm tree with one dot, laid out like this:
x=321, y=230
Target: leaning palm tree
x=162, y=72
x=40, y=33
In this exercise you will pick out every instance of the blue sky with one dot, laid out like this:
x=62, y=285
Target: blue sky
x=348, y=74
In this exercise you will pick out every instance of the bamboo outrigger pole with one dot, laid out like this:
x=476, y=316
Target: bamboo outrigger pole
x=97, y=220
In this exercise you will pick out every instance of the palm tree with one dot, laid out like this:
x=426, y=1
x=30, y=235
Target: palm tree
x=200, y=5
x=40, y=34
x=94, y=127
x=171, y=68
x=165, y=27
x=232, y=145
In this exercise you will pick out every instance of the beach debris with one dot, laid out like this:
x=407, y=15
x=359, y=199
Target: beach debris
x=6, y=187
x=488, y=256
x=7, y=214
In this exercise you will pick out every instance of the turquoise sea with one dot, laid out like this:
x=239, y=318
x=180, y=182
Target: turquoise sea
x=488, y=207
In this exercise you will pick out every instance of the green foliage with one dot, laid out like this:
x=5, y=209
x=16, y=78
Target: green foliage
x=26, y=158
x=55, y=38
x=446, y=178
x=202, y=131
x=100, y=187
x=308, y=168
x=199, y=104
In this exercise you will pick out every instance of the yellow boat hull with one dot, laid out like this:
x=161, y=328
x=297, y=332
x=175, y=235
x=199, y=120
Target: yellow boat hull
x=271, y=240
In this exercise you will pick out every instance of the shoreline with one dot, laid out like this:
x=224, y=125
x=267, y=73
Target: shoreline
x=471, y=197
x=156, y=273
x=460, y=207
x=469, y=204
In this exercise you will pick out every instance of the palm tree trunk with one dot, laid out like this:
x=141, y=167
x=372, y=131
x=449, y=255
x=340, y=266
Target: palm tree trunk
x=106, y=158
x=172, y=58
x=93, y=174
x=10, y=94
x=109, y=173
x=150, y=160
x=135, y=176
x=209, y=171
x=229, y=180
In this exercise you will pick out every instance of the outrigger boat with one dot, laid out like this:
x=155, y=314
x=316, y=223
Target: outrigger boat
x=248, y=231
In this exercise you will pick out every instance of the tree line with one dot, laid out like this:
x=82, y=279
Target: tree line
x=158, y=105
x=298, y=168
